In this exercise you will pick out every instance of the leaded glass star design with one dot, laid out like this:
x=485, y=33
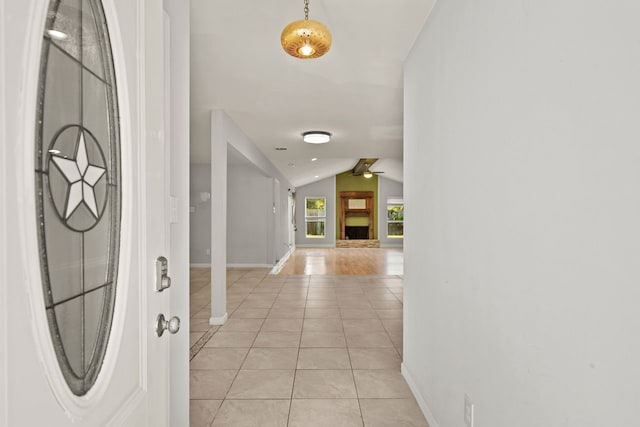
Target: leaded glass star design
x=82, y=178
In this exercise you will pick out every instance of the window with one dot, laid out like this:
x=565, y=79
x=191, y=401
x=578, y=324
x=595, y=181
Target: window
x=315, y=215
x=395, y=217
x=78, y=186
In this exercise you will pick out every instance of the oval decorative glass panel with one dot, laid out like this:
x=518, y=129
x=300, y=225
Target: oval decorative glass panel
x=78, y=191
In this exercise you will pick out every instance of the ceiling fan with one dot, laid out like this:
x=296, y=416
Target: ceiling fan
x=362, y=168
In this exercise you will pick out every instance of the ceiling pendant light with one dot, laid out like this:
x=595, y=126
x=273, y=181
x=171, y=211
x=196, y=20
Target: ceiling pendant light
x=307, y=38
x=316, y=137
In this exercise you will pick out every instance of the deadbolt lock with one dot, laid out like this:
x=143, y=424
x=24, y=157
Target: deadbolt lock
x=163, y=281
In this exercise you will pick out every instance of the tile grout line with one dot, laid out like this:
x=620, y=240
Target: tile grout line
x=295, y=372
x=234, y=378
x=353, y=375
x=208, y=334
x=240, y=367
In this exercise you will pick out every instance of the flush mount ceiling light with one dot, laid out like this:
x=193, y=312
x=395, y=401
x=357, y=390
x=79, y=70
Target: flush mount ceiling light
x=316, y=137
x=307, y=38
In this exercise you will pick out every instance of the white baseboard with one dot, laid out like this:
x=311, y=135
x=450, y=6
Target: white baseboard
x=310, y=245
x=276, y=269
x=249, y=265
x=200, y=265
x=419, y=398
x=216, y=321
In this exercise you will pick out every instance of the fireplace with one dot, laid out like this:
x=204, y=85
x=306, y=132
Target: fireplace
x=352, y=232
x=356, y=212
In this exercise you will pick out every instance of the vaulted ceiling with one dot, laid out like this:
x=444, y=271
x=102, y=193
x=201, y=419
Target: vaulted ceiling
x=354, y=91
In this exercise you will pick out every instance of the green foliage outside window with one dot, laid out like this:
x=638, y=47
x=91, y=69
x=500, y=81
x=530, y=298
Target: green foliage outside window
x=315, y=216
x=395, y=218
x=395, y=213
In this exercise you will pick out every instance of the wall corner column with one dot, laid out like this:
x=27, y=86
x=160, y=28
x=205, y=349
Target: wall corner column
x=218, y=220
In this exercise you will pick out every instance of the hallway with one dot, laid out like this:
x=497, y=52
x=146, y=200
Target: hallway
x=300, y=350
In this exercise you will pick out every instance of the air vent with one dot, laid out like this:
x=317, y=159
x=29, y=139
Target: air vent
x=281, y=148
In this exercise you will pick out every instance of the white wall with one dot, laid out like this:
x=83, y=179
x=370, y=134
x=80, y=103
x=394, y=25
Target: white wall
x=523, y=232
x=226, y=134
x=249, y=217
x=4, y=201
x=323, y=188
x=387, y=188
x=200, y=224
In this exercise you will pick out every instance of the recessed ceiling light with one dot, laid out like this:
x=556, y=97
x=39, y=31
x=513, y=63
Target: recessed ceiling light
x=316, y=137
x=314, y=159
x=317, y=176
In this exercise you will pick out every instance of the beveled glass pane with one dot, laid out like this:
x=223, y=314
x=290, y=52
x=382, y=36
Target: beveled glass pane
x=69, y=318
x=64, y=26
x=95, y=113
x=60, y=104
x=68, y=168
x=64, y=252
x=96, y=253
x=74, y=199
x=93, y=308
x=80, y=217
x=93, y=175
x=59, y=189
x=91, y=47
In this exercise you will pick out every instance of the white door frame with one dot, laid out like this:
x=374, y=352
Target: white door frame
x=178, y=135
x=3, y=224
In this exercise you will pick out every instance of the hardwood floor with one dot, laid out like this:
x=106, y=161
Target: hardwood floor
x=343, y=261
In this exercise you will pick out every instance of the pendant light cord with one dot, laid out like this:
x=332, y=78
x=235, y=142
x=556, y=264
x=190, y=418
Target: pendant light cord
x=306, y=10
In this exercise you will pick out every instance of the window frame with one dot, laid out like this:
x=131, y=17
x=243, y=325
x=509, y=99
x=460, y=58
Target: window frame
x=317, y=218
x=394, y=201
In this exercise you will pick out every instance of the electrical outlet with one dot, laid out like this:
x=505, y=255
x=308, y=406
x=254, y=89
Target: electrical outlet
x=468, y=411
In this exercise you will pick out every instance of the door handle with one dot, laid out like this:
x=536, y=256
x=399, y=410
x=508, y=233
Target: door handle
x=162, y=324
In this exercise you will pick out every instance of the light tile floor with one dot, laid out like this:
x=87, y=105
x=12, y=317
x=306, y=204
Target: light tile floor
x=300, y=351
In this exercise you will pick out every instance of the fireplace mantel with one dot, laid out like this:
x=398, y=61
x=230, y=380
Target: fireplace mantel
x=366, y=211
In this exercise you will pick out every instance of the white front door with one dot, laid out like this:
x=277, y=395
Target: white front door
x=83, y=213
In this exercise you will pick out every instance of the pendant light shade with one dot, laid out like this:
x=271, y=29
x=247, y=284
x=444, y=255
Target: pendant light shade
x=306, y=39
